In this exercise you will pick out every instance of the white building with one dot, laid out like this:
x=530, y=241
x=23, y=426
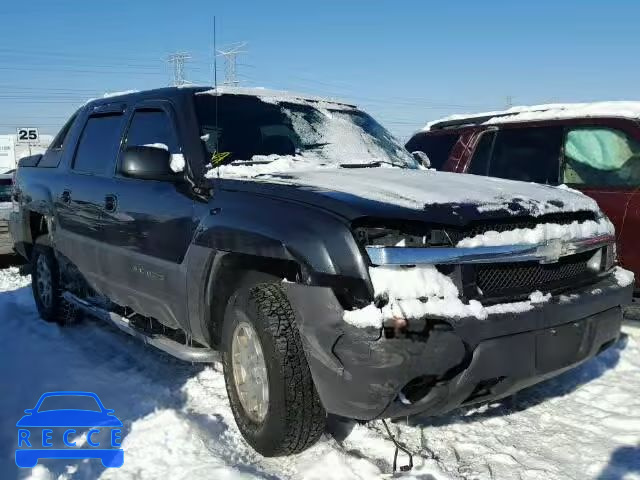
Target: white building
x=11, y=151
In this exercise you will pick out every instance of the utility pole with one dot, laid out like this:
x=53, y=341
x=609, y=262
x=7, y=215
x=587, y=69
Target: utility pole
x=177, y=60
x=231, y=63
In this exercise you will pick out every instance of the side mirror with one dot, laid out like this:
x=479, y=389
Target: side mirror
x=148, y=163
x=422, y=158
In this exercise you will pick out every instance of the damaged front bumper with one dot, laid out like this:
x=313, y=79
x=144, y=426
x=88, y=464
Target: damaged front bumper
x=360, y=373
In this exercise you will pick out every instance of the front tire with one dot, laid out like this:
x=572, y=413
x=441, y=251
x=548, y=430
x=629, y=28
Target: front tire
x=262, y=344
x=47, y=292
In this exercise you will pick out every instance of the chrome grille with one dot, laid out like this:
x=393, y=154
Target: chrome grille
x=508, y=224
x=508, y=279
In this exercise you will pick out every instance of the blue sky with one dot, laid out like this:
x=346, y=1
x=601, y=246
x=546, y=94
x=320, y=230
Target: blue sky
x=405, y=62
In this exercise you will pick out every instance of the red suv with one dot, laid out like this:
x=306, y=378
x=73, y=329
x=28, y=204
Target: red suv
x=592, y=147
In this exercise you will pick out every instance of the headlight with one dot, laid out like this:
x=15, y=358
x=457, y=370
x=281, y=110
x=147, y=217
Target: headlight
x=408, y=234
x=387, y=237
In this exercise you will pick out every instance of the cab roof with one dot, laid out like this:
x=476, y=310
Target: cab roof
x=171, y=92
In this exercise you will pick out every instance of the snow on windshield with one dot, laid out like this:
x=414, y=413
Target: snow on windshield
x=284, y=134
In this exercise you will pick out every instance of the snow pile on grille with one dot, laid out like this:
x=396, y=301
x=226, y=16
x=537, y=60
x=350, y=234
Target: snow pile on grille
x=552, y=111
x=415, y=292
x=540, y=233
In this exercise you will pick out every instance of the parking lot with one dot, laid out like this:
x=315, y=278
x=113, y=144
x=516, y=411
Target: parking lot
x=176, y=417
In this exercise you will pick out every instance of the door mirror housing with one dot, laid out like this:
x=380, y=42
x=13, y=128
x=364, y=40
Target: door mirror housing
x=148, y=163
x=422, y=158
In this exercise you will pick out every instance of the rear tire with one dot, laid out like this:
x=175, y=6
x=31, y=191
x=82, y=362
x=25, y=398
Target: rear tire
x=47, y=291
x=293, y=418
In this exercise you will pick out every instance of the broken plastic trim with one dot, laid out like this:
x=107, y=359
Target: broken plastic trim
x=544, y=252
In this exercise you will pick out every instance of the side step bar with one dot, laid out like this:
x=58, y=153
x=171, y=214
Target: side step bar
x=176, y=349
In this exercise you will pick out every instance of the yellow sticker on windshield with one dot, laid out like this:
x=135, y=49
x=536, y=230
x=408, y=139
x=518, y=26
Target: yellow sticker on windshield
x=219, y=157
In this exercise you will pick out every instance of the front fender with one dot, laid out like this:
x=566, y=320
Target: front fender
x=261, y=226
x=241, y=232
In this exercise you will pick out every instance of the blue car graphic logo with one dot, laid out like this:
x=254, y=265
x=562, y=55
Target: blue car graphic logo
x=40, y=428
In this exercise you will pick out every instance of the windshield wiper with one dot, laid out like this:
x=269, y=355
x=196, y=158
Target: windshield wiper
x=376, y=164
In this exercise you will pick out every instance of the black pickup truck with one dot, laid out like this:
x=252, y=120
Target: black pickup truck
x=332, y=271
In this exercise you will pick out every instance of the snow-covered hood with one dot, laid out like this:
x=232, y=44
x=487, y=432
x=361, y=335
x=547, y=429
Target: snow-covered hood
x=420, y=190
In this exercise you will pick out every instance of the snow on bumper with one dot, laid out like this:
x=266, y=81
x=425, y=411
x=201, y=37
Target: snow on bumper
x=441, y=365
x=408, y=283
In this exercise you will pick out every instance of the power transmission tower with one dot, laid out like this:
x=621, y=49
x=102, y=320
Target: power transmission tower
x=509, y=101
x=231, y=62
x=177, y=60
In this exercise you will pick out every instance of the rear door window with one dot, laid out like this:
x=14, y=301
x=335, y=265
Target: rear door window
x=58, y=142
x=527, y=154
x=597, y=156
x=99, y=145
x=51, y=158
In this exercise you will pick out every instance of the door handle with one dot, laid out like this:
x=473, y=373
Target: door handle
x=110, y=203
x=66, y=196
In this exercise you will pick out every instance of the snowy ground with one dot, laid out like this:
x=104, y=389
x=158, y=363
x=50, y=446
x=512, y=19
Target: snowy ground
x=583, y=424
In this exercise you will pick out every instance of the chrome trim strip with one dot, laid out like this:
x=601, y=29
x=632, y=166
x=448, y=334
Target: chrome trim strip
x=545, y=252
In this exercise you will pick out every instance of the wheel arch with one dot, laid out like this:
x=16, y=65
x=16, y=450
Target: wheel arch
x=228, y=272
x=36, y=230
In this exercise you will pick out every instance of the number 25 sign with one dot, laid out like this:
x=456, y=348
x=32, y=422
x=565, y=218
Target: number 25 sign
x=27, y=135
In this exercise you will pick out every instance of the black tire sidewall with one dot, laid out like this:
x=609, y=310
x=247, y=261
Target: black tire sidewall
x=49, y=314
x=267, y=436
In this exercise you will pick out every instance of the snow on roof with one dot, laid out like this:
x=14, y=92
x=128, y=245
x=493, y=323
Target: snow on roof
x=551, y=111
x=273, y=95
x=117, y=94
